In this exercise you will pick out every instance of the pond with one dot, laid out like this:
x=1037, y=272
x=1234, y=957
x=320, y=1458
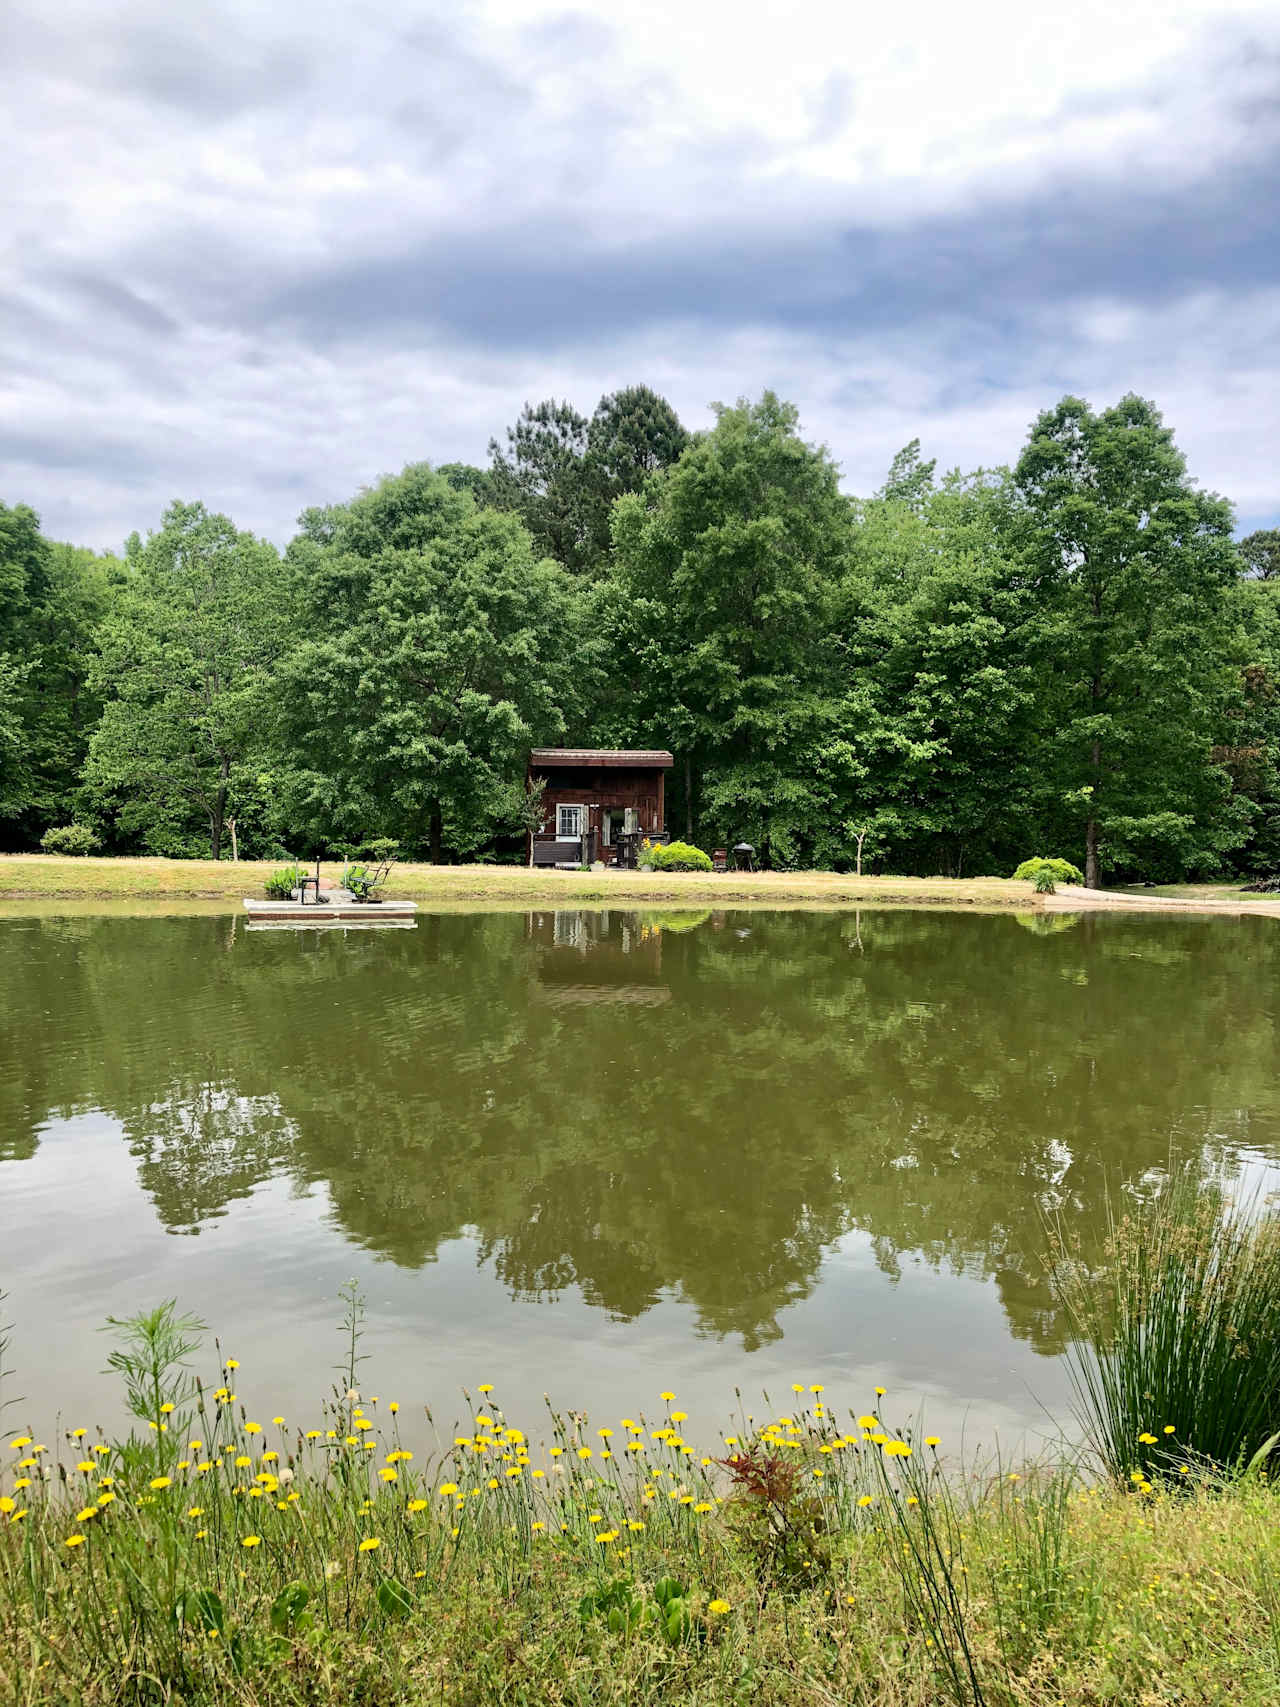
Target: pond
x=601, y=1154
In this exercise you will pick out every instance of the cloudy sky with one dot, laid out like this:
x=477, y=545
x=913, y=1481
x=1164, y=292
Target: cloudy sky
x=260, y=255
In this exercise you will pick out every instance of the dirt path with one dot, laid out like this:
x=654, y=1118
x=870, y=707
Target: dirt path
x=1074, y=899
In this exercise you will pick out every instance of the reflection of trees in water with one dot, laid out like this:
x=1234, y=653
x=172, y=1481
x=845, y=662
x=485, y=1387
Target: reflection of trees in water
x=711, y=1110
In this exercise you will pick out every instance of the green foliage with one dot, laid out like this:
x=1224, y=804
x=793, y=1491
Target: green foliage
x=1075, y=649
x=675, y=856
x=1176, y=1349
x=1132, y=566
x=184, y=664
x=71, y=839
x=281, y=884
x=1044, y=882
x=435, y=651
x=1058, y=870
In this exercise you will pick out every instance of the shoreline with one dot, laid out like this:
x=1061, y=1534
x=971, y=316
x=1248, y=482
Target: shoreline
x=32, y=880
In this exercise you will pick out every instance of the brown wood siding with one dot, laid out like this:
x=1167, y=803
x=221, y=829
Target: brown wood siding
x=640, y=789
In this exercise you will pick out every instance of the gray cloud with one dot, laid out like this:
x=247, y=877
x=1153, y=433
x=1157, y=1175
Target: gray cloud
x=267, y=255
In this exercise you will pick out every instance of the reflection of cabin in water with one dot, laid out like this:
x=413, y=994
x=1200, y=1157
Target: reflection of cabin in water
x=598, y=803
x=589, y=957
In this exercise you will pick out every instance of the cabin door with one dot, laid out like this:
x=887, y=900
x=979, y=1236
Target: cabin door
x=615, y=819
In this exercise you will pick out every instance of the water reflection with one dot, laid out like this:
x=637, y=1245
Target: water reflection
x=646, y=1105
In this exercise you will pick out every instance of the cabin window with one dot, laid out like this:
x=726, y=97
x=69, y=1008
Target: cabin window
x=568, y=822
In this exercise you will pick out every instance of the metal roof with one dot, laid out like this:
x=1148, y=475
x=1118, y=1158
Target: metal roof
x=607, y=758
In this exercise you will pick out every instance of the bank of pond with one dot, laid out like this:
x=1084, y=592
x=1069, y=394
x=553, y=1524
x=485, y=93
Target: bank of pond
x=811, y=1554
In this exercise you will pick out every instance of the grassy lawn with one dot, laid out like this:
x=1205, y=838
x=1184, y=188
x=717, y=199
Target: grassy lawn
x=37, y=876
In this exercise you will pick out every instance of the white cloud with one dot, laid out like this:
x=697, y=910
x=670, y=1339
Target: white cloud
x=262, y=255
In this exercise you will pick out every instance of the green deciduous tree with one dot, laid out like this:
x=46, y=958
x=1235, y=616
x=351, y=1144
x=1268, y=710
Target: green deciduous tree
x=438, y=649
x=184, y=665
x=725, y=577
x=1131, y=566
x=51, y=601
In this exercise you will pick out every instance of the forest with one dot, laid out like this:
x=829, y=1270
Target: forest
x=1071, y=655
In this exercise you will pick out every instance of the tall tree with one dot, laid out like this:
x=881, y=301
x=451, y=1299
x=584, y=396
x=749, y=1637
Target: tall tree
x=1261, y=554
x=539, y=475
x=438, y=649
x=1131, y=564
x=52, y=599
x=910, y=480
x=184, y=664
x=633, y=434
x=724, y=578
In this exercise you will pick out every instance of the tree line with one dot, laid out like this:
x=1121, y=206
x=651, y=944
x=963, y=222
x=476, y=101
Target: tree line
x=1070, y=655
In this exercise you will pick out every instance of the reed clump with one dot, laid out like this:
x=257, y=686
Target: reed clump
x=1175, y=1353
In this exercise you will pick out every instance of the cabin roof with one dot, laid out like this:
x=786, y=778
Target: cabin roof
x=605, y=758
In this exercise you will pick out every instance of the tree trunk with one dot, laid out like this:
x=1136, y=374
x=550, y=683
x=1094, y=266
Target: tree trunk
x=436, y=833
x=1091, y=876
x=218, y=813
x=688, y=797
x=235, y=846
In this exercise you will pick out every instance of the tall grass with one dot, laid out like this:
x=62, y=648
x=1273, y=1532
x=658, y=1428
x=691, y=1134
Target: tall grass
x=211, y=1558
x=1175, y=1353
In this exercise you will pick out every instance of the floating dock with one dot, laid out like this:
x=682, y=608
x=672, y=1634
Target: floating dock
x=333, y=912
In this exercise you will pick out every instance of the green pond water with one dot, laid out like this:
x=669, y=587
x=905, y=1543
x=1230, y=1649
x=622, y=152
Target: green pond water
x=602, y=1154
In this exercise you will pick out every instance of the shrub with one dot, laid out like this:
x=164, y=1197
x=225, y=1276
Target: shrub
x=1176, y=1335
x=70, y=839
x=281, y=884
x=1060, y=870
x=677, y=856
x=1045, y=884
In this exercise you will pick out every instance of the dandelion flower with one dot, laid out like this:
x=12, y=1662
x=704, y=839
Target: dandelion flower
x=74, y=1541
x=389, y=1475
x=88, y=1512
x=231, y=1363
x=22, y=1440
x=417, y=1505
x=1169, y=1429
x=251, y=1541
x=369, y=1543
x=879, y=1392
x=865, y=1500
x=666, y=1397
x=166, y=1410
x=1148, y=1439
x=818, y=1389
x=106, y=1499
x=394, y=1406
x=584, y=1452
x=449, y=1488
x=933, y=1440
x=485, y=1387
x=704, y=1506
x=159, y=1482
x=78, y=1433
x=534, y=1526
x=719, y=1607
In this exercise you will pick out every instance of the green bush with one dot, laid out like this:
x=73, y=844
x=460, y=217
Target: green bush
x=281, y=884
x=1059, y=870
x=676, y=856
x=1045, y=884
x=70, y=839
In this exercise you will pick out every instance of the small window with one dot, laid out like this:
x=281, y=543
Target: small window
x=568, y=822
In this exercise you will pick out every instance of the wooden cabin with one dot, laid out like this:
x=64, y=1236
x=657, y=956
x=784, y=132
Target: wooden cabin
x=599, y=803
